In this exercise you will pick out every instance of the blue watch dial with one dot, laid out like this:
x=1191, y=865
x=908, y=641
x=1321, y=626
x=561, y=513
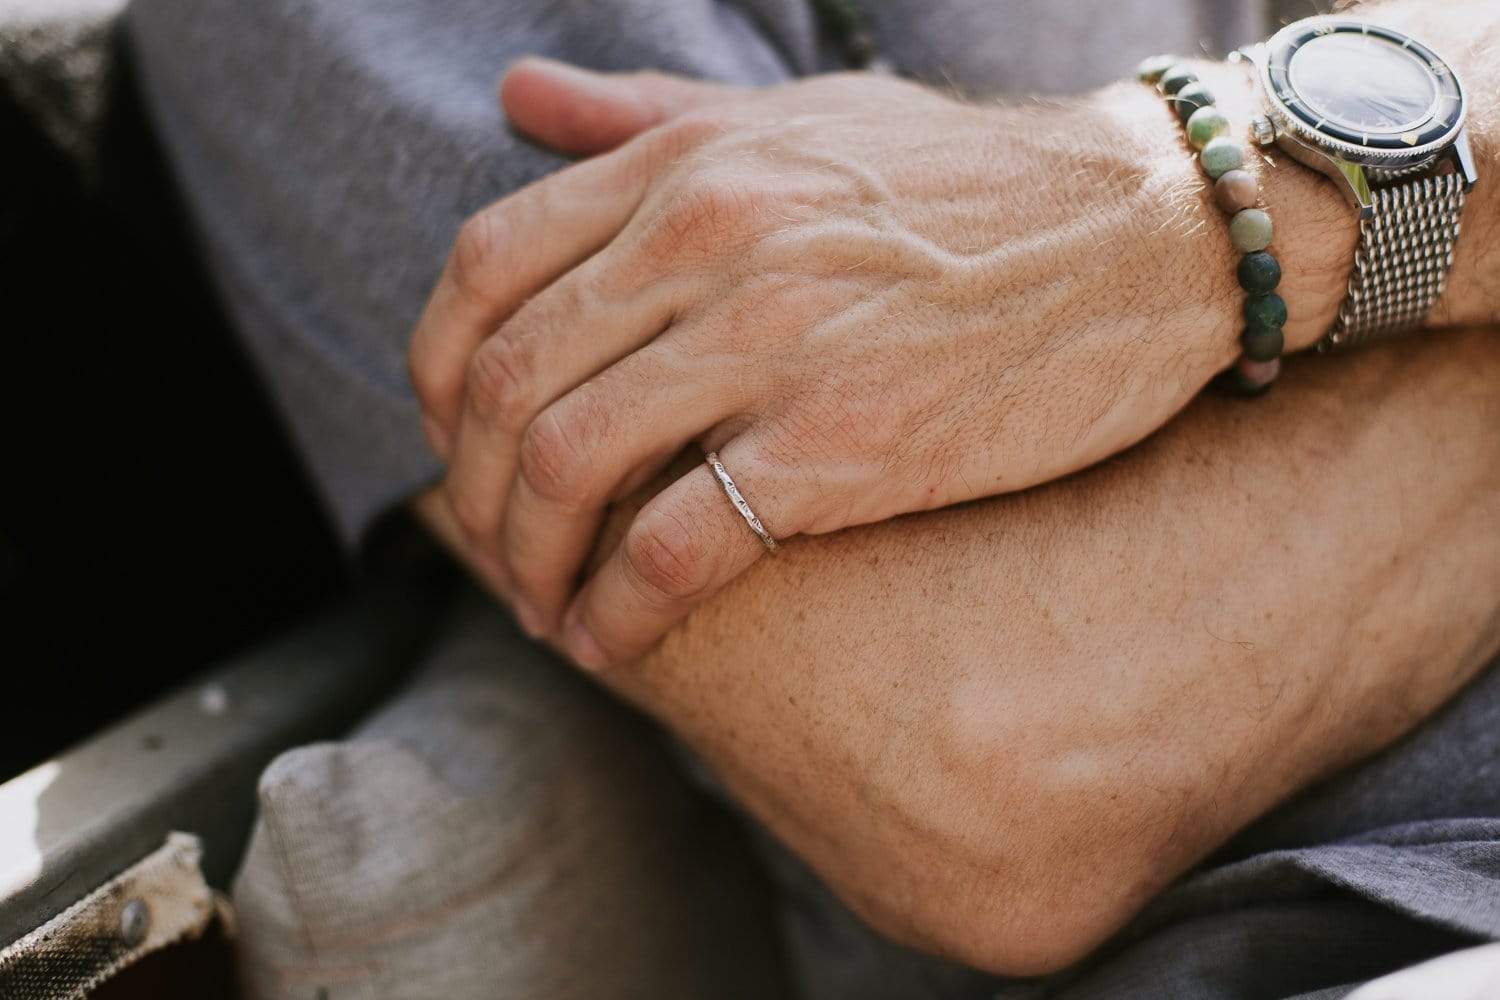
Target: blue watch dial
x=1363, y=82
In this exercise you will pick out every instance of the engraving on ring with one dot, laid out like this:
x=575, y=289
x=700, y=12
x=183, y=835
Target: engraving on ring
x=738, y=500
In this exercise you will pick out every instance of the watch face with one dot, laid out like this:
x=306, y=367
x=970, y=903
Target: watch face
x=1354, y=84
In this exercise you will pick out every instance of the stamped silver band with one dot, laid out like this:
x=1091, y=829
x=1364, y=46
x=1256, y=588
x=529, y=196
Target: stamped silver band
x=733, y=492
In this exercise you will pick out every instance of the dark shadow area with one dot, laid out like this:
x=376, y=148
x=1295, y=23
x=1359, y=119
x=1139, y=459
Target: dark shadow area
x=198, y=969
x=153, y=518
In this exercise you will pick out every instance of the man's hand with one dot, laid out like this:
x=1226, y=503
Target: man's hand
x=868, y=297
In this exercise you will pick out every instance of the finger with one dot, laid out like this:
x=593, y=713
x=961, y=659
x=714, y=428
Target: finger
x=565, y=335
x=581, y=112
x=632, y=419
x=501, y=257
x=685, y=545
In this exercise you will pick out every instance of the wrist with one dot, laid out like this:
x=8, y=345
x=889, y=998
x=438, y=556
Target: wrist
x=1315, y=228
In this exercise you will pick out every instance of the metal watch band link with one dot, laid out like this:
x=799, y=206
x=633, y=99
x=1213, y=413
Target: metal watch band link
x=1405, y=250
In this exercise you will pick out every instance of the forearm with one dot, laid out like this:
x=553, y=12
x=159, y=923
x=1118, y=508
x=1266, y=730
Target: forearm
x=999, y=729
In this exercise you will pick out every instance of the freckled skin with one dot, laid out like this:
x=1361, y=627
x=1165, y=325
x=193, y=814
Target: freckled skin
x=996, y=729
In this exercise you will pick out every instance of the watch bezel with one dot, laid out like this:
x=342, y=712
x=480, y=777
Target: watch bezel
x=1388, y=150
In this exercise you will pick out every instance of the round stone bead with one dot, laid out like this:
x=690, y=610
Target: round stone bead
x=1191, y=98
x=1259, y=273
x=1235, y=191
x=1220, y=156
x=1205, y=124
x=1265, y=310
x=1151, y=69
x=1262, y=343
x=1175, y=78
x=1250, y=230
x=1254, y=377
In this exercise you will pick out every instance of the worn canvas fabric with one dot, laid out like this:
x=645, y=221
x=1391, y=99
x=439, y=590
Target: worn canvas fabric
x=501, y=829
x=155, y=903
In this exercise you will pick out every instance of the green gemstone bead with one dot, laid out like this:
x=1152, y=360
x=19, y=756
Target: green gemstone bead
x=1151, y=70
x=1175, y=78
x=1259, y=273
x=1190, y=99
x=1265, y=310
x=1262, y=343
x=1221, y=155
x=1250, y=230
x=1205, y=124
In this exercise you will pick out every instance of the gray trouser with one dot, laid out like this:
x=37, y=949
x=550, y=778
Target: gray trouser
x=329, y=150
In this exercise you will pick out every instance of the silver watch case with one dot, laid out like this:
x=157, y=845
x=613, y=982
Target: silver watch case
x=1357, y=161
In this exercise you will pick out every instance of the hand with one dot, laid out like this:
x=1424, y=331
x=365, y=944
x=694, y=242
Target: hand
x=868, y=297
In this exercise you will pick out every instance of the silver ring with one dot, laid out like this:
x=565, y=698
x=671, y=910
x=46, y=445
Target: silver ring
x=733, y=493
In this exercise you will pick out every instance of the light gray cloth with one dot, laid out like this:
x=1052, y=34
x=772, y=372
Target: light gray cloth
x=329, y=149
x=501, y=829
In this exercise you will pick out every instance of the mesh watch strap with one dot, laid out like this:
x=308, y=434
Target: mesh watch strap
x=1405, y=249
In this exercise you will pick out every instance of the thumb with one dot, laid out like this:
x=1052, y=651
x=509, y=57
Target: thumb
x=581, y=112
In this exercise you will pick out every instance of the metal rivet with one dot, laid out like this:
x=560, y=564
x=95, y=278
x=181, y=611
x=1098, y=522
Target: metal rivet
x=1262, y=130
x=135, y=921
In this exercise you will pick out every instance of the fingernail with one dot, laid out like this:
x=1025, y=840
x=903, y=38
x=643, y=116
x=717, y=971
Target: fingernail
x=436, y=436
x=583, y=647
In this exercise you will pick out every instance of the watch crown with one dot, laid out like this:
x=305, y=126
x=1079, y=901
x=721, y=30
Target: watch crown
x=1262, y=130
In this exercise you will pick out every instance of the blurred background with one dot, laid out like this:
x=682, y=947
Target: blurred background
x=153, y=518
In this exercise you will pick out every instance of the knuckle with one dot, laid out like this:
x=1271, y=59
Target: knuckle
x=708, y=215
x=477, y=249
x=665, y=559
x=826, y=422
x=553, y=456
x=499, y=380
x=679, y=136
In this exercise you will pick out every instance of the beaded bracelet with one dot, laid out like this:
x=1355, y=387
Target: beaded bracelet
x=1236, y=193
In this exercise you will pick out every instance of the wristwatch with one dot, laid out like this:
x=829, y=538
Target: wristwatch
x=1383, y=116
